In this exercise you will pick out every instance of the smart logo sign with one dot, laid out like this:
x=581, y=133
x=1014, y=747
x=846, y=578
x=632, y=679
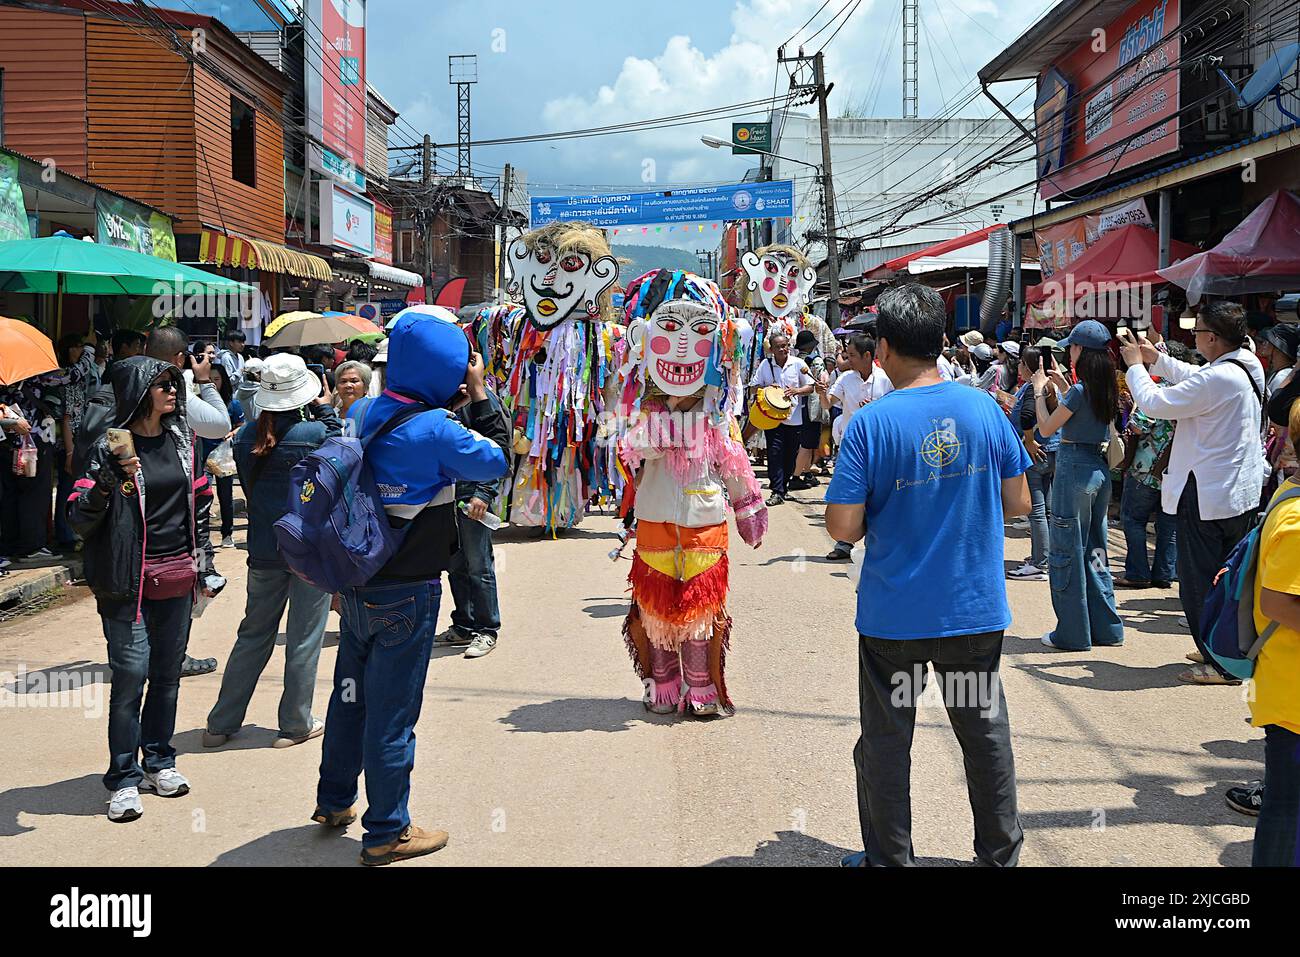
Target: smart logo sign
x=1120, y=120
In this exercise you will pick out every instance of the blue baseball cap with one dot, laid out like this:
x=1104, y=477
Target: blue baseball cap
x=1090, y=334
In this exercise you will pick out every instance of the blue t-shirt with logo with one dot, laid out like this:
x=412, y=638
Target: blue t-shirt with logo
x=928, y=462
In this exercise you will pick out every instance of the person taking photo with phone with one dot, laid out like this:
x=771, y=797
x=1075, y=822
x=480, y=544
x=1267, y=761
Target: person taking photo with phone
x=141, y=505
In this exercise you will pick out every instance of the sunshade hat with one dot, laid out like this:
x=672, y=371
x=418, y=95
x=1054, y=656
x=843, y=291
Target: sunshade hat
x=972, y=339
x=286, y=384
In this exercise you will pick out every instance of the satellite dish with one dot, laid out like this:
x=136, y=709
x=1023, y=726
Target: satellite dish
x=1268, y=79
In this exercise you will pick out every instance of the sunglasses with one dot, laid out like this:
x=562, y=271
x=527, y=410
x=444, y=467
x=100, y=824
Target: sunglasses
x=168, y=386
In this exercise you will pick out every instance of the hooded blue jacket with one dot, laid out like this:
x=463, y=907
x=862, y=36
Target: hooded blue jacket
x=417, y=465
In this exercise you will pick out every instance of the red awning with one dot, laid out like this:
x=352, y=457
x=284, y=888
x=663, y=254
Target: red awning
x=1129, y=254
x=1260, y=255
x=886, y=270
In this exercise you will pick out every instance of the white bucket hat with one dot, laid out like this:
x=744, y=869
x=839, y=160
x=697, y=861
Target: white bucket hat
x=286, y=384
x=381, y=356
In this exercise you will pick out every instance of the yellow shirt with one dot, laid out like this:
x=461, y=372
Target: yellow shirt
x=1277, y=671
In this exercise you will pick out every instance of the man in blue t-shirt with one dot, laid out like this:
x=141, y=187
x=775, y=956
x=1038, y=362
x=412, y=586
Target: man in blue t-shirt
x=927, y=474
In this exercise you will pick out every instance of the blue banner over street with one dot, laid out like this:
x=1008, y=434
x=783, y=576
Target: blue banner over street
x=701, y=204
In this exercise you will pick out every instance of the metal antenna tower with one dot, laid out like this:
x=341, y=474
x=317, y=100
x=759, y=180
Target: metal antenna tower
x=462, y=71
x=911, y=59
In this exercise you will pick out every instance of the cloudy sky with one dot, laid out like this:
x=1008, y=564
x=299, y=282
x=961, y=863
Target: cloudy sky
x=579, y=64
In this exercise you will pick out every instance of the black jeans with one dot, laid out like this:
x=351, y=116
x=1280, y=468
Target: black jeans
x=891, y=678
x=1277, y=830
x=782, y=454
x=1203, y=547
x=25, y=502
x=226, y=498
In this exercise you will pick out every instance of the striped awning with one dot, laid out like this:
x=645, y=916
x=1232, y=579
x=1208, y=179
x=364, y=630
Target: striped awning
x=220, y=249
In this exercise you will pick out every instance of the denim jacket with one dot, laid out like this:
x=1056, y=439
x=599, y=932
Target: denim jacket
x=268, y=496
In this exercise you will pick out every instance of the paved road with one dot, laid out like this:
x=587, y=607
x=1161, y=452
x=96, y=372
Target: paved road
x=542, y=754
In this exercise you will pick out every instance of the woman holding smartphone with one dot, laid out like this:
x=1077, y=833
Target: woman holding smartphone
x=141, y=505
x=1083, y=594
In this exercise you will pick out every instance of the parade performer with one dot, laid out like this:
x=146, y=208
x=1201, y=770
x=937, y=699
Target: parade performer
x=560, y=366
x=784, y=278
x=682, y=371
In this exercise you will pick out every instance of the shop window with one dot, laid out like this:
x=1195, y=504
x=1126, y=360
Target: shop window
x=406, y=246
x=243, y=142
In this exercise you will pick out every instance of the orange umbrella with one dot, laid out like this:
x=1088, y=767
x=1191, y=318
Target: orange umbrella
x=25, y=351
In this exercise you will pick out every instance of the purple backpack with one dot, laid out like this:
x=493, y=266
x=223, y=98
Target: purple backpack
x=336, y=534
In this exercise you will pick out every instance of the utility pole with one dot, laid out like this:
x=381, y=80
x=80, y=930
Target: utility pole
x=799, y=83
x=426, y=180
x=507, y=184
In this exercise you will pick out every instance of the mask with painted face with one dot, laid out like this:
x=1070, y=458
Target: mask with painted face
x=782, y=276
x=562, y=271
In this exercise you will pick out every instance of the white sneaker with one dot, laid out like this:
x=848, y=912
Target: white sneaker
x=168, y=783
x=1020, y=522
x=125, y=805
x=481, y=645
x=1028, y=573
x=227, y=541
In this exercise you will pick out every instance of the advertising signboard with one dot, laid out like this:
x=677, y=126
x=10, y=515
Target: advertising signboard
x=335, y=76
x=702, y=204
x=751, y=138
x=347, y=221
x=1126, y=101
x=13, y=213
x=383, y=234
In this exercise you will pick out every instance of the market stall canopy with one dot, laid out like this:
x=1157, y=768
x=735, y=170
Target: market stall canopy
x=310, y=330
x=25, y=351
x=222, y=250
x=382, y=272
x=62, y=264
x=1129, y=254
x=1260, y=255
x=892, y=268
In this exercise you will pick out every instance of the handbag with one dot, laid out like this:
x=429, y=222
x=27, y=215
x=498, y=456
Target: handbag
x=1115, y=448
x=169, y=577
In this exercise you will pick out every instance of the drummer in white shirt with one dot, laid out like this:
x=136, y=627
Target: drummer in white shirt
x=784, y=369
x=859, y=385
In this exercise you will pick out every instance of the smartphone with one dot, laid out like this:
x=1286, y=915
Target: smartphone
x=121, y=443
x=319, y=369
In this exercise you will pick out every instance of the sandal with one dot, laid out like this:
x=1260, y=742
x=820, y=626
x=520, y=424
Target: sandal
x=193, y=667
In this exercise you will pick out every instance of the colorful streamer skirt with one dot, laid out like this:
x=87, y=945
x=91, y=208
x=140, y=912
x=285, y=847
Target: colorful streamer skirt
x=679, y=594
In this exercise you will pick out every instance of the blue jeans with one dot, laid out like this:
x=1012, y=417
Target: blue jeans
x=473, y=580
x=1039, y=478
x=384, y=646
x=269, y=590
x=1137, y=504
x=1277, y=831
x=147, y=650
x=1083, y=594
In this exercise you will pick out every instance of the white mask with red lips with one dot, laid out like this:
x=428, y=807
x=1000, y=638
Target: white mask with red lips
x=556, y=287
x=678, y=340
x=782, y=284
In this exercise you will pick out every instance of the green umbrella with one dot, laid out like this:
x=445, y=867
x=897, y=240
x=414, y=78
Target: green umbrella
x=370, y=337
x=61, y=264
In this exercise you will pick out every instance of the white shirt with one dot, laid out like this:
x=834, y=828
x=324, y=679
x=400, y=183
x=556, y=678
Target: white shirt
x=947, y=370
x=1217, y=438
x=854, y=393
x=793, y=375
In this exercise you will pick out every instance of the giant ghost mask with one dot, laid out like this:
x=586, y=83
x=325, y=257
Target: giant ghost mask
x=559, y=282
x=782, y=280
x=678, y=339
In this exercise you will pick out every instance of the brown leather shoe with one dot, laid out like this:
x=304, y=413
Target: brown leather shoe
x=414, y=842
x=334, y=818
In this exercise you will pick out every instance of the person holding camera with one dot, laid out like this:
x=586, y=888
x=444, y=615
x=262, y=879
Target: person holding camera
x=141, y=505
x=1216, y=466
x=388, y=624
x=295, y=419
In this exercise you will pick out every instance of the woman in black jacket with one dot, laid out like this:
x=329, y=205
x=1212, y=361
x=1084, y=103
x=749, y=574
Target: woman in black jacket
x=141, y=505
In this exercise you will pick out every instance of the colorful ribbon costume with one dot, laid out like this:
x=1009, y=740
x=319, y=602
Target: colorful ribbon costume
x=679, y=382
